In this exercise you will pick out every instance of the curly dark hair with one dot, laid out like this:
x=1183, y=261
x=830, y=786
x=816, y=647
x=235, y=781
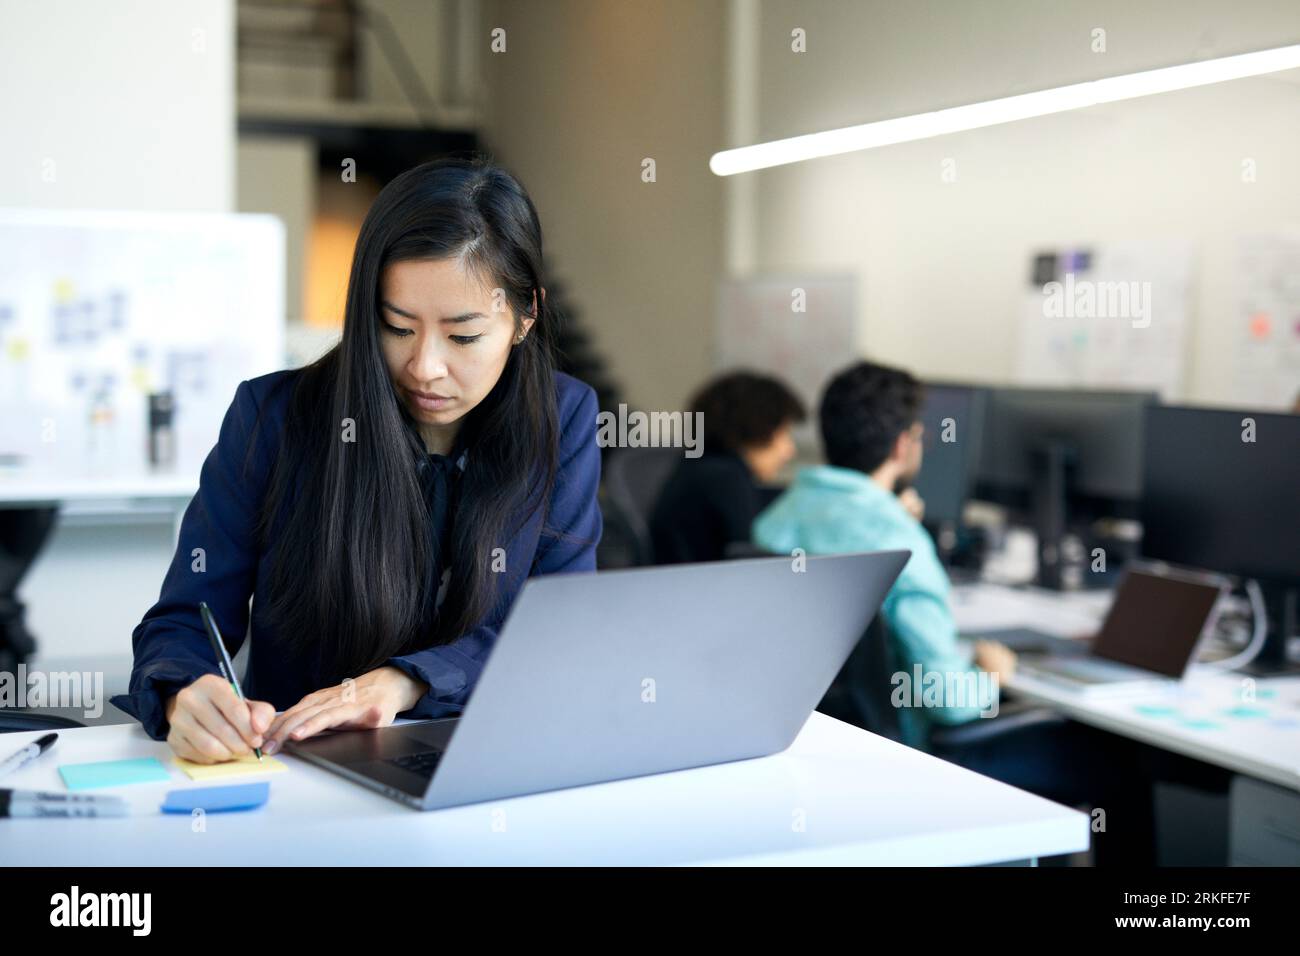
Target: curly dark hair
x=743, y=409
x=864, y=410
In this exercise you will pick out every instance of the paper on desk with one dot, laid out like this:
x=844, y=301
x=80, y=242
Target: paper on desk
x=231, y=768
x=993, y=607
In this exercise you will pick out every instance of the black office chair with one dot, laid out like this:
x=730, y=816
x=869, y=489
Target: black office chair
x=861, y=692
x=13, y=722
x=633, y=479
x=744, y=549
x=619, y=546
x=859, y=695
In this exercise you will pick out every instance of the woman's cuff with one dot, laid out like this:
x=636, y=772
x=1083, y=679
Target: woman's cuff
x=447, y=684
x=147, y=701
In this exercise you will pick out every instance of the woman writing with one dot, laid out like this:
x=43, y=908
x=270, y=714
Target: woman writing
x=382, y=506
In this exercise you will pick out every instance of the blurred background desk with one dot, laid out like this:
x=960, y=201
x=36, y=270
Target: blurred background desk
x=1247, y=726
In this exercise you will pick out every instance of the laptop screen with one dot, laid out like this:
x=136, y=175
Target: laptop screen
x=1156, y=621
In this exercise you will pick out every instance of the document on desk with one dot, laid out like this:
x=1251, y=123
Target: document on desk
x=989, y=607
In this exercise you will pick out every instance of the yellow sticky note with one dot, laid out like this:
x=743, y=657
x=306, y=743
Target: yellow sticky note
x=231, y=768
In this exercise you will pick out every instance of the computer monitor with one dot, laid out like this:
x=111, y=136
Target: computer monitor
x=1062, y=454
x=953, y=416
x=1212, y=499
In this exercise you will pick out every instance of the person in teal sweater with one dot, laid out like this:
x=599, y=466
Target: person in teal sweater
x=861, y=501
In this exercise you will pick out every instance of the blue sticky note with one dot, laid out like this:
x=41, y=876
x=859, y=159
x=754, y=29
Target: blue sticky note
x=112, y=773
x=1242, y=710
x=1156, y=710
x=239, y=796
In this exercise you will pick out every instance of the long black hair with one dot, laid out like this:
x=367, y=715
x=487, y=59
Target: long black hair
x=353, y=554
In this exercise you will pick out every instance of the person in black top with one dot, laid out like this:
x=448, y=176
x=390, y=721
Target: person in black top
x=709, y=502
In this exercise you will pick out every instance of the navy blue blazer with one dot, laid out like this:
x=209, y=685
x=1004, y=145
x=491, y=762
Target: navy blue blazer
x=171, y=647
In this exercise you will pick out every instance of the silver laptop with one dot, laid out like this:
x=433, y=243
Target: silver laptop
x=1149, y=637
x=598, y=677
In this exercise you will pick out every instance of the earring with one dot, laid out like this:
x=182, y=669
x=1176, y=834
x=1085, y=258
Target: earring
x=518, y=339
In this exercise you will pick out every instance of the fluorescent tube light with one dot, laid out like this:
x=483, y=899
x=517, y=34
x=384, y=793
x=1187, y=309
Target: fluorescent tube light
x=1006, y=110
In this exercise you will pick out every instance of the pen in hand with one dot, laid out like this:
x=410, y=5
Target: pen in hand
x=223, y=657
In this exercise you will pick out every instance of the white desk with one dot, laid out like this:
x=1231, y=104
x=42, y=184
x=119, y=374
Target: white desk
x=862, y=799
x=98, y=498
x=1205, y=717
x=20, y=487
x=1210, y=717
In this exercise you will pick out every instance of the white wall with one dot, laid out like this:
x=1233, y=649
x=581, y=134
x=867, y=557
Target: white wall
x=277, y=174
x=585, y=90
x=133, y=102
x=587, y=86
x=943, y=265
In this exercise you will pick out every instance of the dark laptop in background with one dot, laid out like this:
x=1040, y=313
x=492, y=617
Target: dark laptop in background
x=1149, y=637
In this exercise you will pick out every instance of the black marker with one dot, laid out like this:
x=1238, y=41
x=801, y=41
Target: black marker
x=27, y=754
x=35, y=803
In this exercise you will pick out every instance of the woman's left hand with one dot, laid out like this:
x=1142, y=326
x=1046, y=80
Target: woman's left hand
x=371, y=700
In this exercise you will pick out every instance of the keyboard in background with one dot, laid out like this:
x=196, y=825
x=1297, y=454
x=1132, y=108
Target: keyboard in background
x=1024, y=640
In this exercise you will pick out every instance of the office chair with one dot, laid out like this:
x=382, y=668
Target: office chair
x=860, y=695
x=633, y=479
x=13, y=722
x=744, y=549
x=619, y=546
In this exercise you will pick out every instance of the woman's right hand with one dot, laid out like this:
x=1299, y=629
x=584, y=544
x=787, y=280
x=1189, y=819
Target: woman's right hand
x=210, y=724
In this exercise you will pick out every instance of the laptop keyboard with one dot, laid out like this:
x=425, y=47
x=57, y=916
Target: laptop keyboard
x=1090, y=671
x=422, y=763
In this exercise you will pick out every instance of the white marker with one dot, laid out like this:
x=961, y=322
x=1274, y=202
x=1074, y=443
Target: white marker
x=35, y=803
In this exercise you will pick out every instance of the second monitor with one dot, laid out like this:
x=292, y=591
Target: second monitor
x=1053, y=455
x=1062, y=454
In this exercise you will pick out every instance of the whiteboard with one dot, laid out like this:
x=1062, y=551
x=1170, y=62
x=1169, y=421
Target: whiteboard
x=1093, y=346
x=98, y=309
x=760, y=328
x=1267, y=366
